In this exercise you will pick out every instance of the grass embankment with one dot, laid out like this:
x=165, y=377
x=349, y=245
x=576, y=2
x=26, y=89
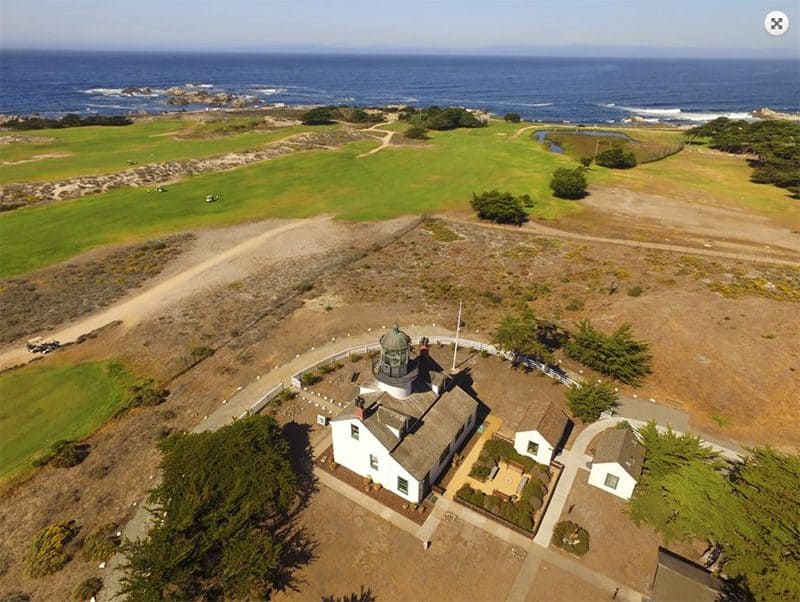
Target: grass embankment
x=395, y=181
x=99, y=150
x=42, y=404
x=648, y=146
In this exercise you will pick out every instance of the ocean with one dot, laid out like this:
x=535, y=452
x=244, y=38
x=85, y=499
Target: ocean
x=577, y=90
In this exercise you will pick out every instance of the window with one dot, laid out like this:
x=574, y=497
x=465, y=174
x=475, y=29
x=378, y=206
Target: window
x=444, y=454
x=612, y=481
x=402, y=485
x=354, y=431
x=373, y=462
x=533, y=448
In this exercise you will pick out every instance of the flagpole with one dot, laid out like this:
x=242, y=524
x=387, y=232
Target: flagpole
x=458, y=331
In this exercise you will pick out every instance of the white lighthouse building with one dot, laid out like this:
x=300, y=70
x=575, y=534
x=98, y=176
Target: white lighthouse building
x=403, y=429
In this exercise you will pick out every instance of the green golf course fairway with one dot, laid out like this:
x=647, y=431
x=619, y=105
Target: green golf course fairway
x=45, y=403
x=98, y=150
x=395, y=181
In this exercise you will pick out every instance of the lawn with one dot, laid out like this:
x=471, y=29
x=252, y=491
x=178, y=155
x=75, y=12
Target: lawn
x=707, y=178
x=396, y=181
x=98, y=150
x=41, y=404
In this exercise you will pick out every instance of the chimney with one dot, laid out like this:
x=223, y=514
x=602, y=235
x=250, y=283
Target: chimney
x=424, y=346
x=360, y=408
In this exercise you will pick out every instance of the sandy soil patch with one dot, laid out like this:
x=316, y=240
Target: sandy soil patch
x=357, y=548
x=35, y=158
x=704, y=220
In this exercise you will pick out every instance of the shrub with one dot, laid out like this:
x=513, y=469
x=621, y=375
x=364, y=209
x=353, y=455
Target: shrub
x=571, y=537
x=569, y=183
x=309, y=378
x=591, y=399
x=356, y=357
x=575, y=305
x=46, y=554
x=512, y=117
x=326, y=368
x=465, y=492
x=480, y=472
x=88, y=589
x=616, y=157
x=317, y=116
x=147, y=394
x=635, y=291
x=101, y=543
x=586, y=162
x=68, y=453
x=500, y=207
x=416, y=133
x=199, y=353
x=16, y=596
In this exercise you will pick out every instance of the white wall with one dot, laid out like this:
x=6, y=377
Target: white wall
x=626, y=485
x=354, y=455
x=545, y=453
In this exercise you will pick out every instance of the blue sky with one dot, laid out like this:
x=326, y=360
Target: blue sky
x=428, y=25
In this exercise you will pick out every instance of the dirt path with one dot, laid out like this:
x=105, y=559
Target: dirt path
x=540, y=229
x=521, y=131
x=385, y=141
x=180, y=284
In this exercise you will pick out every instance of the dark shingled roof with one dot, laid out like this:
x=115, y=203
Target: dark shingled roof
x=620, y=445
x=679, y=580
x=547, y=419
x=432, y=423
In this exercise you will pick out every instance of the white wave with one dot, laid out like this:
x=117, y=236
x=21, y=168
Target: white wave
x=270, y=91
x=191, y=85
x=104, y=91
x=678, y=114
x=711, y=116
x=648, y=111
x=536, y=104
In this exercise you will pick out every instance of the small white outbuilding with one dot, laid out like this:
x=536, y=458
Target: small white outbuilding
x=540, y=432
x=617, y=462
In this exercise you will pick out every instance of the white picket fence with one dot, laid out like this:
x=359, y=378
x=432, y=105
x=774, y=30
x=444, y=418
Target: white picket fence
x=268, y=396
x=444, y=340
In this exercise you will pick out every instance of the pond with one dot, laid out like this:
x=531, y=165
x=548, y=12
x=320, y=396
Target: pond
x=541, y=136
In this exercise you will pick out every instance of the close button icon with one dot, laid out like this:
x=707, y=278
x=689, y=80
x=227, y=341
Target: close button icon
x=776, y=23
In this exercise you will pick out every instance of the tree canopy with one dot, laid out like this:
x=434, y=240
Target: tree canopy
x=528, y=334
x=512, y=117
x=500, y=207
x=317, y=116
x=222, y=526
x=591, y=399
x=751, y=510
x=774, y=144
x=569, y=183
x=436, y=118
x=617, y=355
x=616, y=157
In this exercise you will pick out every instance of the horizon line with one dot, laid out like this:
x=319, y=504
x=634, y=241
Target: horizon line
x=660, y=52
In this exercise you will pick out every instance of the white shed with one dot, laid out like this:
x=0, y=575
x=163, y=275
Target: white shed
x=617, y=462
x=540, y=432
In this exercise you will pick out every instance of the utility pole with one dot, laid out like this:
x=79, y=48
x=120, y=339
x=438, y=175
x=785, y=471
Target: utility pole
x=596, y=148
x=458, y=331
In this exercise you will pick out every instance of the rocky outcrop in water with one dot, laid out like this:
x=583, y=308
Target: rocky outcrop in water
x=180, y=96
x=767, y=113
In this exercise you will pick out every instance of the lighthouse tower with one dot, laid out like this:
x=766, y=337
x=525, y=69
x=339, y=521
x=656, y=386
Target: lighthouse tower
x=395, y=371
